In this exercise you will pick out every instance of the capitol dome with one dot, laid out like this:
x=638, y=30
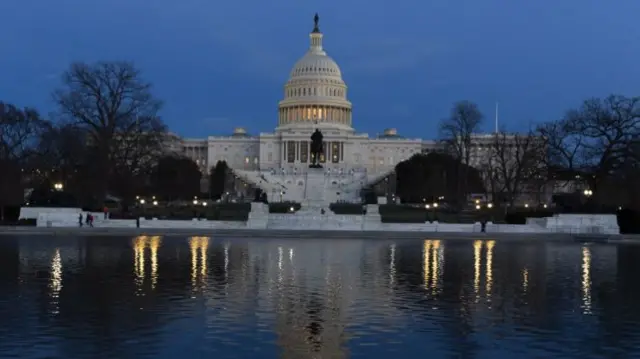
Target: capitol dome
x=315, y=94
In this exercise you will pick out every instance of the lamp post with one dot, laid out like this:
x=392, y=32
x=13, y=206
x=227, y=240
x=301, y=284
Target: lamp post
x=142, y=202
x=435, y=209
x=58, y=186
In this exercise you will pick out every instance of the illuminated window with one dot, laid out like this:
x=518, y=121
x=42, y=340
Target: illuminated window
x=335, y=152
x=255, y=160
x=246, y=160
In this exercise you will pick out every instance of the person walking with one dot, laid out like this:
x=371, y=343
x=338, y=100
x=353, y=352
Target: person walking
x=80, y=219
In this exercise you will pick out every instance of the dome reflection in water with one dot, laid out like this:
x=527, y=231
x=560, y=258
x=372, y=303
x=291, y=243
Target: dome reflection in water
x=167, y=297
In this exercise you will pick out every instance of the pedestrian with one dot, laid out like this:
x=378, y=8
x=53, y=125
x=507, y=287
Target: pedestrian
x=80, y=219
x=87, y=218
x=90, y=220
x=106, y=212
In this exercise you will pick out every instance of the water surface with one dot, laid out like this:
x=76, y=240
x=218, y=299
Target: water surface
x=171, y=297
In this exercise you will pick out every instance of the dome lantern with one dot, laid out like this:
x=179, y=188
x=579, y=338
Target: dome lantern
x=316, y=37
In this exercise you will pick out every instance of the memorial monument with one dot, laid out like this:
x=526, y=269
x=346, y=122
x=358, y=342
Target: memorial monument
x=317, y=148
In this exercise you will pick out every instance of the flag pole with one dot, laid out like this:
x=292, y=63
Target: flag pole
x=497, y=128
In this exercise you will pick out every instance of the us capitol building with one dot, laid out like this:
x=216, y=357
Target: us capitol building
x=315, y=97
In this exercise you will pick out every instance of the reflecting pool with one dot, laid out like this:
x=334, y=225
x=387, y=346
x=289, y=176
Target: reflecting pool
x=170, y=297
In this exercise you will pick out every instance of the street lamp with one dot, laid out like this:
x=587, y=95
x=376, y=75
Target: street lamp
x=58, y=186
x=588, y=192
x=477, y=206
x=155, y=203
x=204, y=204
x=490, y=205
x=435, y=205
x=195, y=202
x=142, y=201
x=526, y=205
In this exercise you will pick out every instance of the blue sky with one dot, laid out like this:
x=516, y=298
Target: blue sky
x=223, y=64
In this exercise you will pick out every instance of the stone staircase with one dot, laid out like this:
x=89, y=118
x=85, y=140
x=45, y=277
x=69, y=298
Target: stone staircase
x=315, y=189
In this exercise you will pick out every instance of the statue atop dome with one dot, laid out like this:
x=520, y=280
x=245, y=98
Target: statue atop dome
x=316, y=19
x=316, y=149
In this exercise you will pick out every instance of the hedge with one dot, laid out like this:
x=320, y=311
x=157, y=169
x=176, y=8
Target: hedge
x=31, y=222
x=346, y=208
x=284, y=207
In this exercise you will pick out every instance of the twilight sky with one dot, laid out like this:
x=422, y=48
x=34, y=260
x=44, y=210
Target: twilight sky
x=223, y=64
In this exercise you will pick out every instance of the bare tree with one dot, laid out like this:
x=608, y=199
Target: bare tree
x=609, y=127
x=19, y=129
x=116, y=111
x=516, y=163
x=594, y=142
x=563, y=143
x=457, y=133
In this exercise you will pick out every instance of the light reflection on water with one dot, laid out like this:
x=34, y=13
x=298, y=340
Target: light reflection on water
x=56, y=281
x=315, y=298
x=586, y=280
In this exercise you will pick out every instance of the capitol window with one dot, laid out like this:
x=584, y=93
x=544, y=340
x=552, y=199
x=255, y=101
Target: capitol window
x=291, y=151
x=246, y=160
x=304, y=151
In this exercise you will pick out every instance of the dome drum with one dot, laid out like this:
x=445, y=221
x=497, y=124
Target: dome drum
x=311, y=113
